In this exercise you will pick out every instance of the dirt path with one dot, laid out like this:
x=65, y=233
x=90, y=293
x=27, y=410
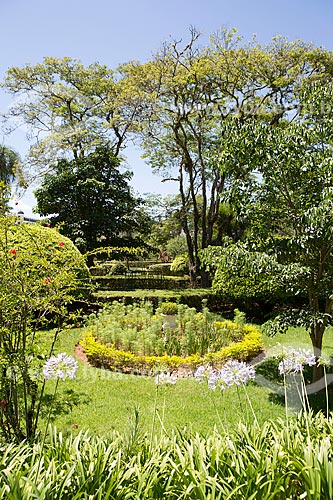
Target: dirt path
x=80, y=354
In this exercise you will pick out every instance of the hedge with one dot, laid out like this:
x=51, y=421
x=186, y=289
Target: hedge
x=132, y=283
x=191, y=297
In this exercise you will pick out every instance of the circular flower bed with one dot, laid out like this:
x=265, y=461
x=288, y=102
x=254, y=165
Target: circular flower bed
x=133, y=339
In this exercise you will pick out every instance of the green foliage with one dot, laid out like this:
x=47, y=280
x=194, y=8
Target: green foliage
x=10, y=166
x=180, y=264
x=74, y=103
x=189, y=143
x=290, y=209
x=5, y=193
x=242, y=273
x=101, y=355
x=239, y=317
x=117, y=267
x=191, y=297
x=176, y=246
x=168, y=308
x=249, y=462
x=133, y=337
x=10, y=171
x=157, y=281
x=92, y=201
x=161, y=267
x=41, y=272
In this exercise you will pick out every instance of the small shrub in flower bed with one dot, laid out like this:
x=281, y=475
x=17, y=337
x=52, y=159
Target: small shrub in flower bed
x=133, y=338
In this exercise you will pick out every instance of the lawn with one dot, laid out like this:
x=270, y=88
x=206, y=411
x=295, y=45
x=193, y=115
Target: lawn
x=103, y=401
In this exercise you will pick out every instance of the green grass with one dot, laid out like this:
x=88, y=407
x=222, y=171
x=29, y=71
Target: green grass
x=299, y=338
x=103, y=401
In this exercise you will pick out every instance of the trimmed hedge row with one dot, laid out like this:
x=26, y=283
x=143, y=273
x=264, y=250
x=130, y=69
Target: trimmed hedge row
x=132, y=283
x=107, y=357
x=192, y=297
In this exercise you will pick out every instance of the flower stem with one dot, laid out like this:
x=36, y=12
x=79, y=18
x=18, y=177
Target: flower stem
x=154, y=417
x=326, y=393
x=286, y=404
x=240, y=400
x=46, y=428
x=217, y=413
x=251, y=407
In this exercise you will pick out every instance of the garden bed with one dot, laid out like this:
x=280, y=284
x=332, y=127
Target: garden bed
x=133, y=339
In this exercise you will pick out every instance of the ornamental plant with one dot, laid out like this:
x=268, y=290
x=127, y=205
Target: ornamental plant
x=168, y=308
x=232, y=373
x=135, y=329
x=60, y=367
x=41, y=272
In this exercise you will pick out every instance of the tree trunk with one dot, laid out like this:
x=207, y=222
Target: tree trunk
x=205, y=279
x=317, y=333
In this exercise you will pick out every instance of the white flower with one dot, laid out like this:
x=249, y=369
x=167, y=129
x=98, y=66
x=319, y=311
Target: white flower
x=61, y=366
x=165, y=379
x=232, y=373
x=236, y=373
x=203, y=373
x=295, y=360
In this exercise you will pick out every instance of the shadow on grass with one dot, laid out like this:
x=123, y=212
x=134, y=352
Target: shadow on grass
x=63, y=403
x=268, y=369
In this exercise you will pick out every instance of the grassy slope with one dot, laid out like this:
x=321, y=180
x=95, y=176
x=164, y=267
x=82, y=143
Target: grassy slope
x=103, y=401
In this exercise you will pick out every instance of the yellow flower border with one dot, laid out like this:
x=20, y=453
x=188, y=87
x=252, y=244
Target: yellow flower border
x=107, y=357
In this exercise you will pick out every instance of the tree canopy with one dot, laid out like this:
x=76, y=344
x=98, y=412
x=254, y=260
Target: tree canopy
x=69, y=109
x=91, y=201
x=290, y=244
x=191, y=95
x=190, y=106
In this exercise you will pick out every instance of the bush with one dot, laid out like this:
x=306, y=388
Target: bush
x=168, y=308
x=117, y=267
x=192, y=297
x=40, y=274
x=161, y=267
x=273, y=461
x=180, y=264
x=41, y=248
x=130, y=337
x=129, y=283
x=107, y=357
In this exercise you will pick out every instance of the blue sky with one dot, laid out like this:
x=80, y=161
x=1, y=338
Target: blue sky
x=112, y=32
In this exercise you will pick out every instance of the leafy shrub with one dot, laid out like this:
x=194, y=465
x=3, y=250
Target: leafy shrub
x=239, y=317
x=161, y=267
x=128, y=336
x=108, y=357
x=129, y=283
x=43, y=242
x=192, y=297
x=273, y=461
x=180, y=264
x=117, y=267
x=168, y=308
x=40, y=274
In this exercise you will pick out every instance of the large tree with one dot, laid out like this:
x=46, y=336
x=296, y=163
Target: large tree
x=91, y=201
x=187, y=93
x=290, y=247
x=177, y=104
x=69, y=108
